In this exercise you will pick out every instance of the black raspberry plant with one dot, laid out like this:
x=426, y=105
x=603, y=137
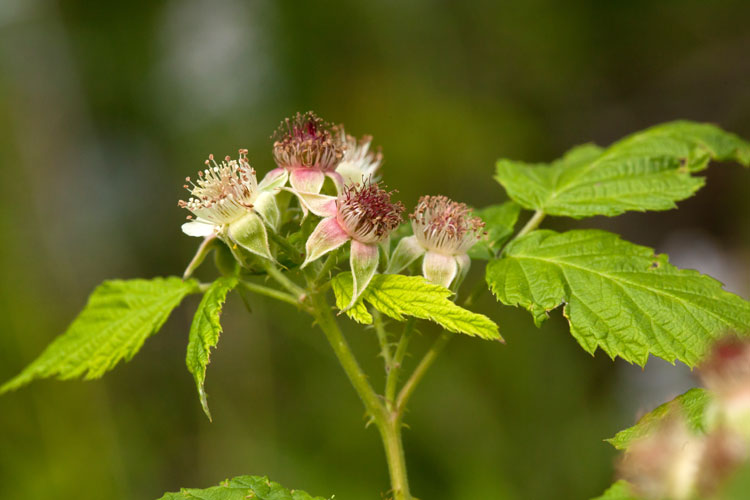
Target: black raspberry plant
x=321, y=233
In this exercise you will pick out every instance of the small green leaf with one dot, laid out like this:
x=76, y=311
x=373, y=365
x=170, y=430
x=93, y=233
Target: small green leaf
x=617, y=296
x=499, y=220
x=692, y=405
x=618, y=491
x=397, y=296
x=205, y=331
x=242, y=488
x=342, y=289
x=119, y=317
x=649, y=170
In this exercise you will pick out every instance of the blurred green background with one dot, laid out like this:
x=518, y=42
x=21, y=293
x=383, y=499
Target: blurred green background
x=106, y=106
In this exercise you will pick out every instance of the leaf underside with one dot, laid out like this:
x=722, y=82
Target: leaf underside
x=205, y=331
x=617, y=296
x=398, y=296
x=692, y=405
x=118, y=318
x=649, y=170
x=242, y=488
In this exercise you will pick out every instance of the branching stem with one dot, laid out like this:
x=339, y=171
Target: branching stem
x=394, y=371
x=420, y=370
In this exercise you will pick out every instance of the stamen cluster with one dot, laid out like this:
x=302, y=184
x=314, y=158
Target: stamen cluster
x=445, y=226
x=366, y=212
x=224, y=191
x=305, y=140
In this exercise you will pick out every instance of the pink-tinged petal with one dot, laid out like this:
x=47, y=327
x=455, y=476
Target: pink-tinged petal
x=337, y=179
x=463, y=262
x=203, y=250
x=274, y=179
x=327, y=236
x=439, y=268
x=250, y=233
x=363, y=261
x=307, y=180
x=407, y=251
x=321, y=205
x=198, y=228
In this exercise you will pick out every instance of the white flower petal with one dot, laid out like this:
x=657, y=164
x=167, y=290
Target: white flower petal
x=198, y=228
x=463, y=262
x=439, y=268
x=321, y=205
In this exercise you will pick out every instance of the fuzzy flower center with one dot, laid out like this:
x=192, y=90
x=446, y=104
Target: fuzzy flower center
x=223, y=192
x=366, y=212
x=445, y=226
x=305, y=140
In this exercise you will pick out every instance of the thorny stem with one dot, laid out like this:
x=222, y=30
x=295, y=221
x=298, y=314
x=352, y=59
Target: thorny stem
x=420, y=370
x=284, y=281
x=391, y=382
x=292, y=252
x=388, y=423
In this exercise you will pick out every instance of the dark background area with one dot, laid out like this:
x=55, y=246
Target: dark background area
x=106, y=106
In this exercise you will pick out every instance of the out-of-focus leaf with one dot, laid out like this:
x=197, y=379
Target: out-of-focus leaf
x=242, y=488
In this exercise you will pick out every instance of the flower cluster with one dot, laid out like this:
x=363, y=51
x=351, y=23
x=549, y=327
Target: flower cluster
x=227, y=202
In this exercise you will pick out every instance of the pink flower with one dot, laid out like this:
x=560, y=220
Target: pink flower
x=363, y=214
x=444, y=231
x=305, y=147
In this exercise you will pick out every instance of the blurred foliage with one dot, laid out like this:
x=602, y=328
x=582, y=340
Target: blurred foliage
x=106, y=106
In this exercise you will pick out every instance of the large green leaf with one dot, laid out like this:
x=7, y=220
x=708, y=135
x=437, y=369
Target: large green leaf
x=649, y=170
x=499, y=222
x=119, y=317
x=242, y=488
x=618, y=296
x=397, y=296
x=691, y=405
x=205, y=331
x=618, y=491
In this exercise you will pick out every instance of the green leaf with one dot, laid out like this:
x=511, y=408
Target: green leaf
x=242, y=488
x=649, y=170
x=205, y=331
x=342, y=290
x=119, y=317
x=397, y=296
x=692, y=405
x=499, y=220
x=618, y=491
x=618, y=296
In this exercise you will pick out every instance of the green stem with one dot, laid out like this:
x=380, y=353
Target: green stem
x=390, y=432
x=385, y=349
x=270, y=292
x=282, y=280
x=327, y=322
x=388, y=423
x=292, y=252
x=420, y=370
x=391, y=382
x=330, y=261
x=533, y=223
